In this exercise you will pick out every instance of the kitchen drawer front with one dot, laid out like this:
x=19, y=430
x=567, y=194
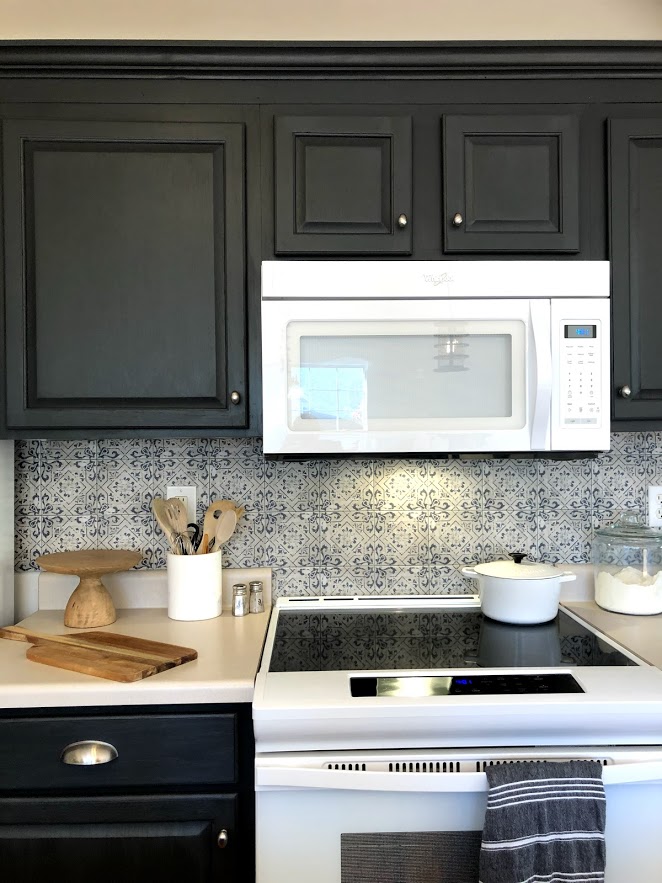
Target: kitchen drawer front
x=155, y=750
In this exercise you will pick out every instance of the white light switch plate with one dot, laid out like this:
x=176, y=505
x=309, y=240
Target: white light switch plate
x=655, y=505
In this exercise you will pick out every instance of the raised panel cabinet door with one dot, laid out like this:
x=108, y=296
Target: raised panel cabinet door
x=635, y=162
x=343, y=185
x=510, y=183
x=164, y=838
x=125, y=274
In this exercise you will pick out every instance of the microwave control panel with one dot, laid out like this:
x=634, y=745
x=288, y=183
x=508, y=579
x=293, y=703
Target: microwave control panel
x=580, y=375
x=581, y=364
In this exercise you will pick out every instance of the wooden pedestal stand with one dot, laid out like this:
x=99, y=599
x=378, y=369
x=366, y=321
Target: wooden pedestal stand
x=90, y=605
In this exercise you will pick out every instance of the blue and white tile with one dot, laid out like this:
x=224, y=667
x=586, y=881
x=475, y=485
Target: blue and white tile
x=401, y=538
x=396, y=580
x=121, y=488
x=565, y=536
x=223, y=449
x=127, y=531
x=615, y=488
x=565, y=484
x=131, y=450
x=245, y=548
x=27, y=449
x=27, y=488
x=341, y=581
x=510, y=484
x=28, y=542
x=242, y=482
x=454, y=537
x=292, y=485
x=294, y=582
x=289, y=539
x=400, y=484
x=456, y=485
x=69, y=486
x=347, y=539
x=57, y=450
x=448, y=580
x=506, y=531
x=347, y=484
x=71, y=534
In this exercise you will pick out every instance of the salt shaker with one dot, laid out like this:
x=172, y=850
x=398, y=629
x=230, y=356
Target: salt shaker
x=239, y=599
x=256, y=602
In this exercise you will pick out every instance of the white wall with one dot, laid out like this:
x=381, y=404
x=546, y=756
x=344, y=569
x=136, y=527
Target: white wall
x=331, y=19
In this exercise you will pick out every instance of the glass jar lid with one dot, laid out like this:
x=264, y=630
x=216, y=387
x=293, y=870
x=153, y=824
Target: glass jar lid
x=628, y=529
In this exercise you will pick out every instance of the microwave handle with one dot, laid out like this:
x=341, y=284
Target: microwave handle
x=541, y=358
x=287, y=777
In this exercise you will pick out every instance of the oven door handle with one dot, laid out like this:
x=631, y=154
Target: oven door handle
x=286, y=777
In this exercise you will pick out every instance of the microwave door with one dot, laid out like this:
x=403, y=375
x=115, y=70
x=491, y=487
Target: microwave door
x=379, y=377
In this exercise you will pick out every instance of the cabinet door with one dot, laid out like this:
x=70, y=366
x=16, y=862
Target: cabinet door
x=511, y=183
x=170, y=839
x=635, y=155
x=343, y=185
x=125, y=289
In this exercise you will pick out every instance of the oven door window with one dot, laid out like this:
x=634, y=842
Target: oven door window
x=410, y=375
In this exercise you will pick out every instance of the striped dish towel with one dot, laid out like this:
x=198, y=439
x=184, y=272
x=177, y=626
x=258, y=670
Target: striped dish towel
x=545, y=823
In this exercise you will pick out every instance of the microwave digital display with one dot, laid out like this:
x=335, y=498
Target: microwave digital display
x=580, y=331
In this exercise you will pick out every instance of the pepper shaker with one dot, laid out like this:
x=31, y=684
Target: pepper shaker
x=239, y=599
x=256, y=602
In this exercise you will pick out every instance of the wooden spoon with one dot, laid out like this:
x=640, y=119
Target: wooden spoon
x=208, y=527
x=225, y=526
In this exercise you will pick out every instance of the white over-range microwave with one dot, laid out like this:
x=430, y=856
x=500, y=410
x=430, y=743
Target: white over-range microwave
x=435, y=357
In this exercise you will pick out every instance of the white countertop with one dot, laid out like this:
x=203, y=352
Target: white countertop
x=229, y=650
x=640, y=634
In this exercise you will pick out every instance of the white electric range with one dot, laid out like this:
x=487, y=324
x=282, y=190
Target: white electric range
x=375, y=718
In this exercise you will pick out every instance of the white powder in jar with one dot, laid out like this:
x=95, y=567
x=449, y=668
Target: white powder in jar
x=629, y=591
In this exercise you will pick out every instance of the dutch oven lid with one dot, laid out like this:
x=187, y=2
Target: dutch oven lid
x=515, y=570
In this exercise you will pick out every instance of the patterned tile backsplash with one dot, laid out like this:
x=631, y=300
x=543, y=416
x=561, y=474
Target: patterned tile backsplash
x=331, y=526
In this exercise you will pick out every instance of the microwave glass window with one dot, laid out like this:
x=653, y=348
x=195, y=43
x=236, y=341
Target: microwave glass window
x=351, y=379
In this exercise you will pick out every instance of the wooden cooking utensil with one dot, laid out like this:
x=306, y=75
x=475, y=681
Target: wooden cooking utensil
x=225, y=526
x=162, y=515
x=176, y=512
x=102, y=654
x=208, y=527
x=90, y=605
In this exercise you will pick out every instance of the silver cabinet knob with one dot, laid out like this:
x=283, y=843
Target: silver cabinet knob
x=223, y=838
x=625, y=392
x=403, y=220
x=88, y=753
x=235, y=397
x=458, y=220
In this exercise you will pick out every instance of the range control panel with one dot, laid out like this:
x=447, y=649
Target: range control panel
x=581, y=383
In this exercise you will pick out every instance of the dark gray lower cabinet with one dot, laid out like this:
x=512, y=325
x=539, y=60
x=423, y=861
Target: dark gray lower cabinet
x=176, y=805
x=511, y=183
x=635, y=155
x=124, y=273
x=83, y=839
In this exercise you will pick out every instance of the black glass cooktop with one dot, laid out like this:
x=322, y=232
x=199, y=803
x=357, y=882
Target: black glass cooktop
x=425, y=639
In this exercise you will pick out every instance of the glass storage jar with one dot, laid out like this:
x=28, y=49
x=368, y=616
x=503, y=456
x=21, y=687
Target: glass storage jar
x=627, y=566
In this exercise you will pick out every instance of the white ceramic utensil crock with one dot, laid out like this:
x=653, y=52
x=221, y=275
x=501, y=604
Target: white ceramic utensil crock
x=523, y=594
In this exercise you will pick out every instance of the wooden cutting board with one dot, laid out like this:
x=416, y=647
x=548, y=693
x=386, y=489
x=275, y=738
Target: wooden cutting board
x=101, y=654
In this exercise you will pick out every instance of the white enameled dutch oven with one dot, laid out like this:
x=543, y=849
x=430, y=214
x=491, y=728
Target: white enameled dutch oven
x=523, y=594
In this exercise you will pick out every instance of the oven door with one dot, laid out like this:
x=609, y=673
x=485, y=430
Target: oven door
x=420, y=376
x=385, y=817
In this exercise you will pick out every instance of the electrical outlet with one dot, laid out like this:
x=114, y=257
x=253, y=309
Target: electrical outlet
x=655, y=505
x=188, y=496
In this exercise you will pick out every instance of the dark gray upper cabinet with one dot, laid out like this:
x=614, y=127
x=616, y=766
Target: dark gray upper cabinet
x=343, y=184
x=510, y=183
x=125, y=274
x=635, y=156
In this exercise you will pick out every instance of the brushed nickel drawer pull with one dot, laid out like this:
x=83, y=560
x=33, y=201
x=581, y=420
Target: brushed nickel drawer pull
x=88, y=753
x=222, y=839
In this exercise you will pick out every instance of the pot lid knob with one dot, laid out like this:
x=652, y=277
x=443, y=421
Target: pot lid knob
x=517, y=556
